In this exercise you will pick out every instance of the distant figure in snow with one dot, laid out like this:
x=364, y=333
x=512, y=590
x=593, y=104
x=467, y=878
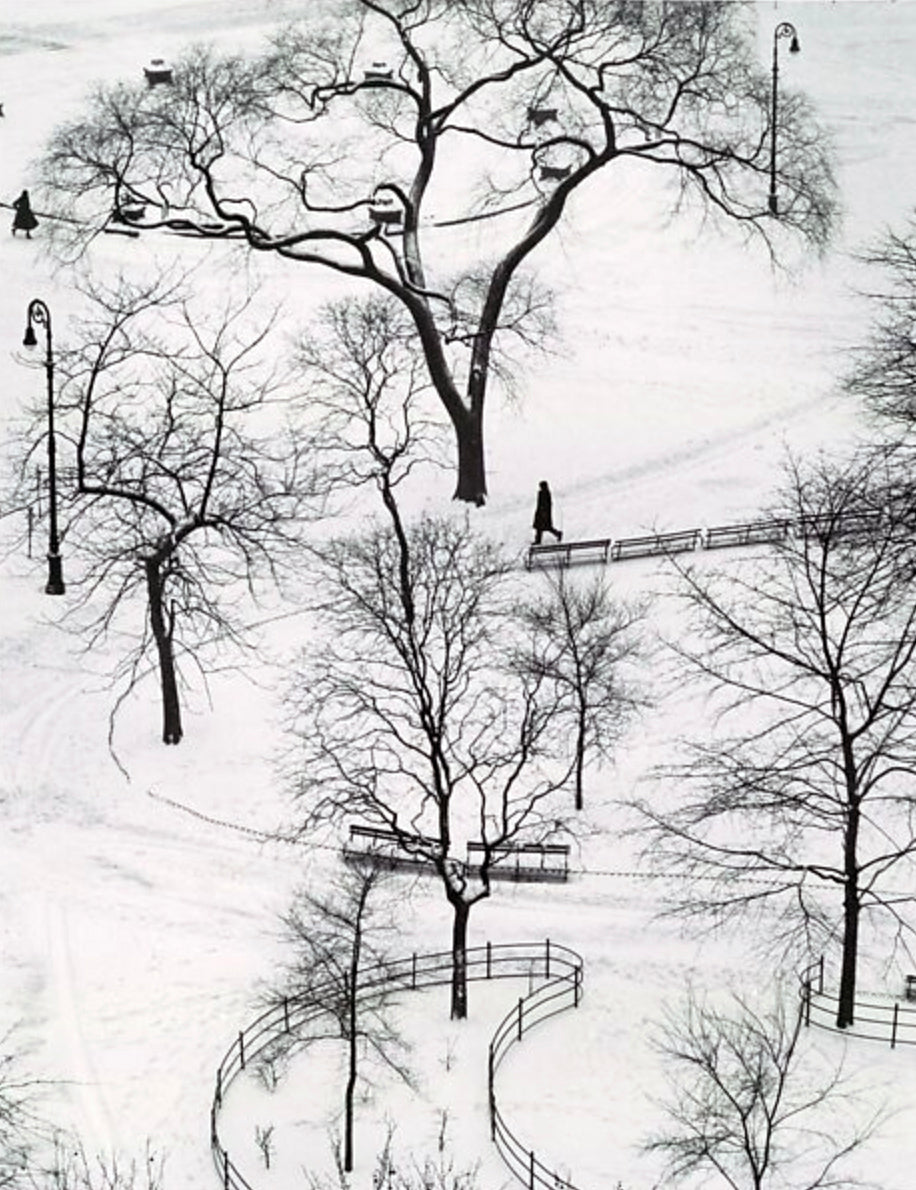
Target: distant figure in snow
x=24, y=219
x=543, y=514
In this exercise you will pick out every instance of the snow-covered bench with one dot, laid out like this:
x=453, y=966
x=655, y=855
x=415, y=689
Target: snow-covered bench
x=752, y=533
x=844, y=524
x=524, y=861
x=655, y=543
x=564, y=552
x=388, y=848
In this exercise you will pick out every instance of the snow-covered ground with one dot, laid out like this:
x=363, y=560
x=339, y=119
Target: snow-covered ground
x=134, y=936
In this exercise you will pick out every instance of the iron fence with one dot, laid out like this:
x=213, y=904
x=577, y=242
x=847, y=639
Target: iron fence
x=874, y=1019
x=286, y=1023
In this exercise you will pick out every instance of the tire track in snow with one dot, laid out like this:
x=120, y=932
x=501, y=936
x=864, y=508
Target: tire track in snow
x=96, y=1123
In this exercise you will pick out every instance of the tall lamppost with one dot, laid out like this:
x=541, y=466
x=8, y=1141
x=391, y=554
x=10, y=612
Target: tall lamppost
x=39, y=313
x=783, y=29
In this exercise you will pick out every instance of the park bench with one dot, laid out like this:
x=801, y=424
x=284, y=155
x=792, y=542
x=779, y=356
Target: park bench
x=752, y=533
x=158, y=72
x=391, y=849
x=844, y=524
x=655, y=543
x=532, y=862
x=562, y=553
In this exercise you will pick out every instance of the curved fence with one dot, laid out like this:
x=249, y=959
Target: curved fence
x=875, y=1019
x=562, y=989
x=285, y=1024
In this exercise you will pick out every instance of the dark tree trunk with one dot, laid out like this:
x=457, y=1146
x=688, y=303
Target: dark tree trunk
x=472, y=476
x=162, y=635
x=847, y=996
x=462, y=912
x=351, y=1075
x=581, y=729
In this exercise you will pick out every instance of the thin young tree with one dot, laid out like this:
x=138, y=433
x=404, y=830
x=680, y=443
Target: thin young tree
x=884, y=372
x=189, y=486
x=366, y=397
x=743, y=1108
x=806, y=779
x=336, y=147
x=341, y=967
x=579, y=638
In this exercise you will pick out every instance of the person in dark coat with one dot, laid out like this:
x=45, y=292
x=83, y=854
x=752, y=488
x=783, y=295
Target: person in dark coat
x=24, y=219
x=543, y=514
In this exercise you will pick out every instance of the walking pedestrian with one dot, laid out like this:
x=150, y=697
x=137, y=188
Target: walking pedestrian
x=24, y=219
x=543, y=514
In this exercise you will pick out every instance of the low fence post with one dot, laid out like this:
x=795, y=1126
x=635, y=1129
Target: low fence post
x=577, y=975
x=413, y=971
x=489, y=957
x=241, y=1049
x=521, y=1031
x=807, y=1002
x=219, y=1086
x=547, y=958
x=894, y=1025
x=531, y=1170
x=225, y=1169
x=286, y=1014
x=820, y=976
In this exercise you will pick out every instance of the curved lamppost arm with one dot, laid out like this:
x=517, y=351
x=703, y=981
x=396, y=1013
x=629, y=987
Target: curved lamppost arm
x=38, y=314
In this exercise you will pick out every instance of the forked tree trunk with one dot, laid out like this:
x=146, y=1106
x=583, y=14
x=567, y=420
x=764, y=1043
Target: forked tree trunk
x=462, y=912
x=162, y=635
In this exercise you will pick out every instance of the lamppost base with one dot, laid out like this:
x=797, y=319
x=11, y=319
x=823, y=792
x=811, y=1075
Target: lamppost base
x=55, y=585
x=773, y=204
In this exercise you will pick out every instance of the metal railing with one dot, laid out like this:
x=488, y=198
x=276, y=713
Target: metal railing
x=286, y=1022
x=853, y=523
x=562, y=989
x=873, y=1019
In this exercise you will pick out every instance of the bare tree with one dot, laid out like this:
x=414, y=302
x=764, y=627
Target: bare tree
x=21, y=1127
x=742, y=1107
x=72, y=1168
x=884, y=374
x=397, y=1170
x=189, y=487
x=407, y=717
x=582, y=640
x=341, y=967
x=807, y=780
x=332, y=146
x=366, y=395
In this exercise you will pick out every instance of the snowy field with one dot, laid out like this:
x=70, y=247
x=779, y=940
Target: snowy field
x=134, y=936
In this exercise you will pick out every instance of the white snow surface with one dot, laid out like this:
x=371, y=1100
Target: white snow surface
x=134, y=936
